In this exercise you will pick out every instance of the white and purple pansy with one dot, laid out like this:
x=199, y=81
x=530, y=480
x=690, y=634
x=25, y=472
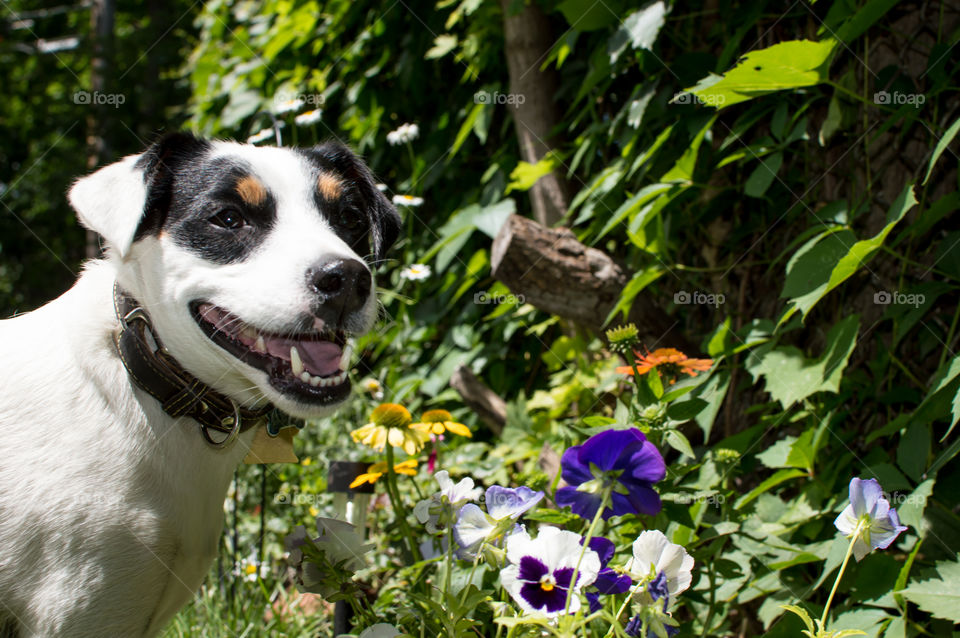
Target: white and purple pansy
x=539, y=574
x=504, y=506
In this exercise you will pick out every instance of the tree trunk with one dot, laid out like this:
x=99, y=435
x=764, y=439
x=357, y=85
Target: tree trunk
x=552, y=270
x=101, y=33
x=528, y=38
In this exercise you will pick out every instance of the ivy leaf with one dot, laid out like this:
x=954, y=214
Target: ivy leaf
x=787, y=65
x=938, y=596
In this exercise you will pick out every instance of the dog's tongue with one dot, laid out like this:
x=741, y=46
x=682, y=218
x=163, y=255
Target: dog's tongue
x=320, y=358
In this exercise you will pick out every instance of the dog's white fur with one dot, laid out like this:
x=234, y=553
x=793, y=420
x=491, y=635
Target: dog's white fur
x=110, y=510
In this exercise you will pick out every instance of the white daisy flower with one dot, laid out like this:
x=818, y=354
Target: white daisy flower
x=248, y=569
x=260, y=136
x=308, y=117
x=285, y=106
x=403, y=134
x=416, y=272
x=407, y=200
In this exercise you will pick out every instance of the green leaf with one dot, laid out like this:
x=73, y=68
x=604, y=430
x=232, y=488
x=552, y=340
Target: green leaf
x=679, y=442
x=863, y=19
x=639, y=29
x=829, y=259
x=525, y=175
x=778, y=478
x=790, y=377
x=682, y=171
x=945, y=388
x=938, y=596
x=914, y=450
x=588, y=15
x=787, y=65
x=763, y=175
x=941, y=147
x=912, y=507
x=804, y=616
x=442, y=45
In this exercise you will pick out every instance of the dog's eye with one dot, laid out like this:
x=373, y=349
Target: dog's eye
x=352, y=220
x=229, y=218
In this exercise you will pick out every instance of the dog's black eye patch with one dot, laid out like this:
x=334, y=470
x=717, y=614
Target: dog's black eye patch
x=347, y=197
x=226, y=216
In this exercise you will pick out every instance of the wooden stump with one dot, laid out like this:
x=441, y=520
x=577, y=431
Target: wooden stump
x=558, y=274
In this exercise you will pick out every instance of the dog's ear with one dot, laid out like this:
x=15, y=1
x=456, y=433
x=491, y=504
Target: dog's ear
x=385, y=222
x=128, y=199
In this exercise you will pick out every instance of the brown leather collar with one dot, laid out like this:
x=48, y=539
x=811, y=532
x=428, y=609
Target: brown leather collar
x=179, y=393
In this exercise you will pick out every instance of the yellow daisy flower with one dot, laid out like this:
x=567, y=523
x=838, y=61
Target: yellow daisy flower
x=375, y=471
x=440, y=421
x=388, y=424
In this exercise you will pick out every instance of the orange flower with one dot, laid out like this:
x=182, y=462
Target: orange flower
x=668, y=360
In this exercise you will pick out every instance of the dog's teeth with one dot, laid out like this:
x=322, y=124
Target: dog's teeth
x=315, y=381
x=260, y=345
x=345, y=358
x=305, y=376
x=295, y=363
x=249, y=332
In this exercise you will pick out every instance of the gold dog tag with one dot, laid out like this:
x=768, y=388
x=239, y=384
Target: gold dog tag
x=272, y=449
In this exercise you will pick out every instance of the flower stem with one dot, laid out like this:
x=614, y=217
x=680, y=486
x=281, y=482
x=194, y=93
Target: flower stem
x=586, y=545
x=449, y=566
x=843, y=566
x=409, y=549
x=473, y=569
x=620, y=611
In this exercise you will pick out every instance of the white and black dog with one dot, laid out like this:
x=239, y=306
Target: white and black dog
x=233, y=276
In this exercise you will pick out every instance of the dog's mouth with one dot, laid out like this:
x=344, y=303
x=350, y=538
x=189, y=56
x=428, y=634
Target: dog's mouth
x=308, y=366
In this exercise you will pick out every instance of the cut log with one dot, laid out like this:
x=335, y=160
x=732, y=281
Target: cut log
x=551, y=269
x=491, y=409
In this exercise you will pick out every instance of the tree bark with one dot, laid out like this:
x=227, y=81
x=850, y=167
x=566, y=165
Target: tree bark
x=528, y=39
x=102, y=13
x=491, y=409
x=552, y=270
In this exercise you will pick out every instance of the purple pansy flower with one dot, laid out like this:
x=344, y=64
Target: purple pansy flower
x=608, y=581
x=623, y=460
x=869, y=518
x=539, y=571
x=504, y=506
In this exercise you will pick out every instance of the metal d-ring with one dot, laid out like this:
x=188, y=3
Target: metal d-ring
x=231, y=435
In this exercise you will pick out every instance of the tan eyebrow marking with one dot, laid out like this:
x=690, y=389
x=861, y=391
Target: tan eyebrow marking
x=251, y=190
x=329, y=186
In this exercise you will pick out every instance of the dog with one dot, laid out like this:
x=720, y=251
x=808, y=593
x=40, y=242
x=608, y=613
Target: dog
x=233, y=276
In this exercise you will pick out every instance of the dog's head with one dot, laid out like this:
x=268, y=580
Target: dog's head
x=252, y=262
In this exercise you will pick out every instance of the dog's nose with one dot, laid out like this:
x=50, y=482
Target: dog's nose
x=340, y=287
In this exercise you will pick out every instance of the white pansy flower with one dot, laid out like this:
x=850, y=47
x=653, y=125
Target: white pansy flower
x=653, y=553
